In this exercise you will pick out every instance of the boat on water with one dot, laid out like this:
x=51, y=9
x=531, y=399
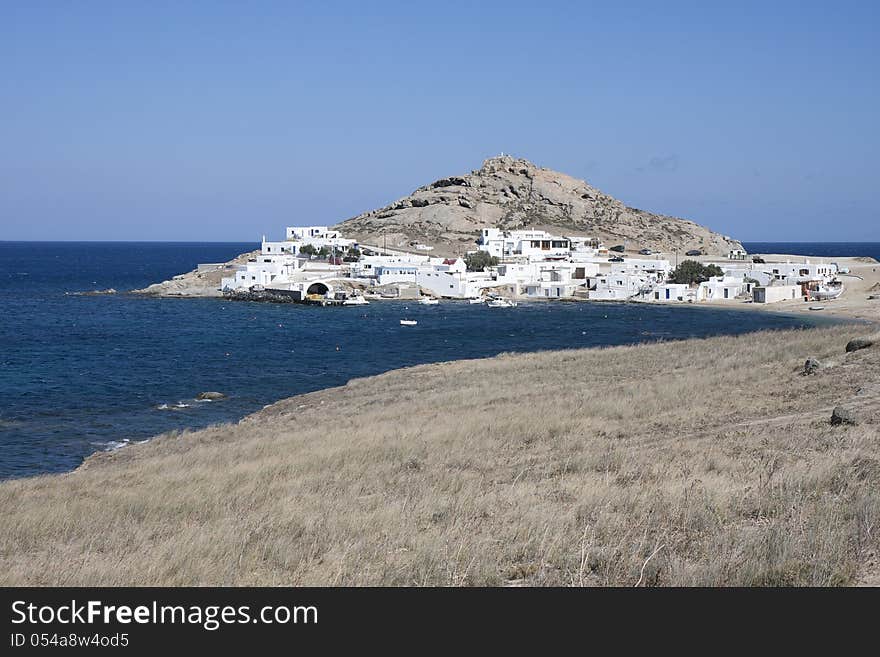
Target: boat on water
x=476, y=300
x=357, y=300
x=408, y=322
x=429, y=301
x=501, y=303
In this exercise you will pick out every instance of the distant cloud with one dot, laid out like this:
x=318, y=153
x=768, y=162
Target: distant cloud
x=660, y=164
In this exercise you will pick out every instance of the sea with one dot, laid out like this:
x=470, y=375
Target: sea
x=79, y=374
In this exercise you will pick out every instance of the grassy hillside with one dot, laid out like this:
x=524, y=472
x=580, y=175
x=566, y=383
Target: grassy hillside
x=707, y=462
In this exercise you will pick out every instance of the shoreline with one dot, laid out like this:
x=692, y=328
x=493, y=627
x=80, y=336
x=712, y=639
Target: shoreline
x=858, y=313
x=852, y=304
x=392, y=428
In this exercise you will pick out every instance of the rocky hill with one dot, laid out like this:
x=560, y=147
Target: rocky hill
x=513, y=193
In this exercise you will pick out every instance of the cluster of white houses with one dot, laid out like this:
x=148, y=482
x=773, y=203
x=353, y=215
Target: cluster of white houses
x=531, y=263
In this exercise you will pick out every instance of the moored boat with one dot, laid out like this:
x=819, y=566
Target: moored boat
x=826, y=292
x=408, y=322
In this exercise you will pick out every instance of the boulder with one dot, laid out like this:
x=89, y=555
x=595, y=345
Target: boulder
x=210, y=396
x=841, y=415
x=858, y=343
x=811, y=366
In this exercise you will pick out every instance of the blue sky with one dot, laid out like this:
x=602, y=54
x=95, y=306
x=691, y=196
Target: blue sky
x=226, y=120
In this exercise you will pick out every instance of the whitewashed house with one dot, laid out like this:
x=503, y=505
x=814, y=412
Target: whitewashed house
x=527, y=244
x=718, y=288
x=776, y=293
x=621, y=286
x=554, y=280
x=673, y=292
x=319, y=236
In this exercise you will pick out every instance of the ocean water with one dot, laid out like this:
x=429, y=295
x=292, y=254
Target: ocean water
x=86, y=373
x=817, y=249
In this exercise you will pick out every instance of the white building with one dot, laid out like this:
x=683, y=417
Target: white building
x=529, y=244
x=621, y=286
x=718, y=288
x=319, y=236
x=673, y=292
x=555, y=280
x=776, y=293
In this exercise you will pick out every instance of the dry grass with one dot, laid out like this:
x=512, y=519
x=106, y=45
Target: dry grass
x=705, y=462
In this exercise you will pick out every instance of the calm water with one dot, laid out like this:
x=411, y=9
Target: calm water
x=817, y=249
x=79, y=374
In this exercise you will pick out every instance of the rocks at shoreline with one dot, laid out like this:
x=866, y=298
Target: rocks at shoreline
x=196, y=283
x=271, y=296
x=92, y=293
x=211, y=395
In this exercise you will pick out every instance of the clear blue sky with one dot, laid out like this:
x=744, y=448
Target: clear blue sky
x=225, y=120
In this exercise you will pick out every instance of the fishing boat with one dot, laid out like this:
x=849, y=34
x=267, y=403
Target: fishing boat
x=429, y=301
x=501, y=303
x=476, y=300
x=826, y=292
x=356, y=300
x=408, y=322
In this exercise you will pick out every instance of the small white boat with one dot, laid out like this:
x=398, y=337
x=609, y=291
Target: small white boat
x=356, y=300
x=477, y=300
x=429, y=301
x=408, y=322
x=501, y=303
x=827, y=292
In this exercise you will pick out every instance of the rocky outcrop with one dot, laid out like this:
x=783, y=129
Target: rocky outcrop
x=196, y=283
x=841, y=415
x=513, y=193
x=92, y=293
x=811, y=366
x=211, y=395
x=271, y=296
x=858, y=343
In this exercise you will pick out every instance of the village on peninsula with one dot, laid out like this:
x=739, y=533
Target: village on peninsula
x=508, y=260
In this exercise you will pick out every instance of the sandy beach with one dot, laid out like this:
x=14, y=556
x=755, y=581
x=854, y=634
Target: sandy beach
x=860, y=284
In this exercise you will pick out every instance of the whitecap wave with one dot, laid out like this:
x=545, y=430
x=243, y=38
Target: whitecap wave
x=173, y=407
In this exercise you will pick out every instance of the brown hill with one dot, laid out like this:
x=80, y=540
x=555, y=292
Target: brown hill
x=513, y=193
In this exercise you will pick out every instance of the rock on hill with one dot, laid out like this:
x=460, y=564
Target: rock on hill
x=513, y=193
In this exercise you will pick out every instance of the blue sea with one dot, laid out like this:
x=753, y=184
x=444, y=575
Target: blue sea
x=85, y=373
x=817, y=249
